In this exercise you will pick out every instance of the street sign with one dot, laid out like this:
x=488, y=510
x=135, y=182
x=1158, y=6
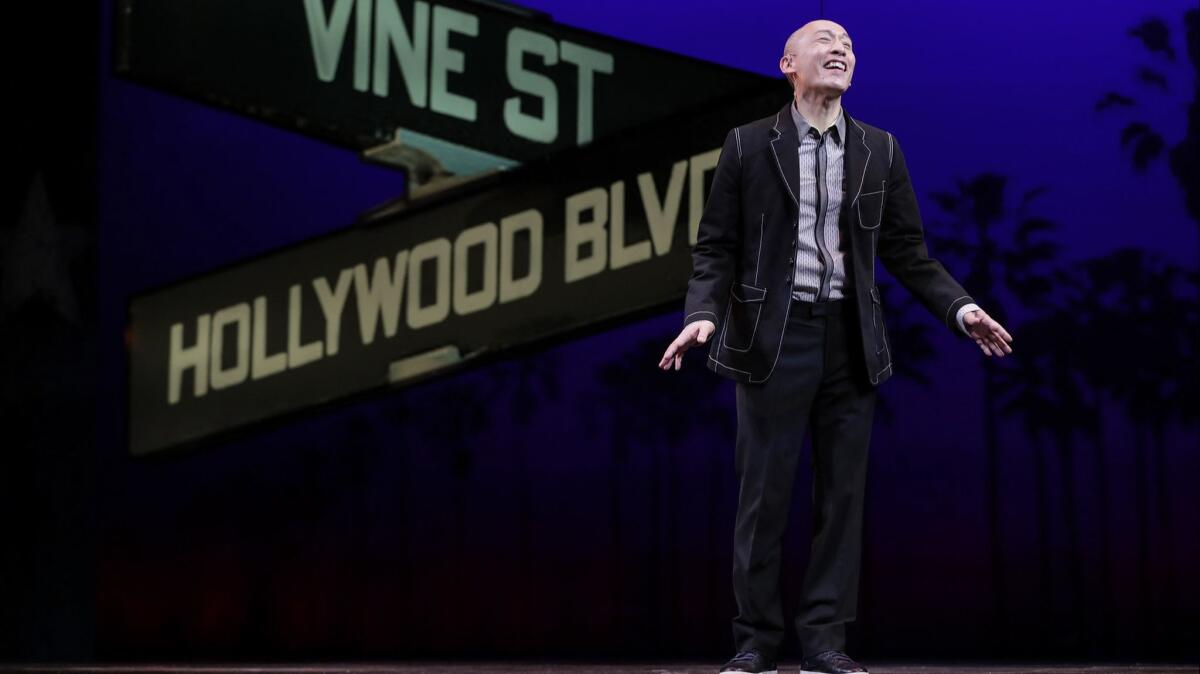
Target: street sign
x=586, y=238
x=473, y=86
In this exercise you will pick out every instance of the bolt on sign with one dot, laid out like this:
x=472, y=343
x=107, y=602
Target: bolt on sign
x=466, y=86
x=598, y=230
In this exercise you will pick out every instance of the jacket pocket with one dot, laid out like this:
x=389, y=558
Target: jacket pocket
x=869, y=207
x=744, y=292
x=744, y=313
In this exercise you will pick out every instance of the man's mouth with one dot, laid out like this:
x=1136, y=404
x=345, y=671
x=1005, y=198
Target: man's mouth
x=835, y=65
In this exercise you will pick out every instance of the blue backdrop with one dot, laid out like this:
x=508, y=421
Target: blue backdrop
x=578, y=502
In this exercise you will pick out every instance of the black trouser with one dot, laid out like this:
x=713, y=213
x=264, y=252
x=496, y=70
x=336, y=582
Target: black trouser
x=819, y=382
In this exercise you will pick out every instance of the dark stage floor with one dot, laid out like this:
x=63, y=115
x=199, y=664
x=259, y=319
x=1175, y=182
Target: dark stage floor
x=581, y=668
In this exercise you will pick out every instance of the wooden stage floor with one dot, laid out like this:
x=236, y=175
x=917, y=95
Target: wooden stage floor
x=576, y=668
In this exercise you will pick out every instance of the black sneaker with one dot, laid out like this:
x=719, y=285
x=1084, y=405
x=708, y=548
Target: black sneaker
x=749, y=661
x=830, y=662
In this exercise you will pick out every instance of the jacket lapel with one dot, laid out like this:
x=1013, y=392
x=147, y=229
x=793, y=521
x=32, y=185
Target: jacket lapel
x=785, y=146
x=855, y=159
x=854, y=164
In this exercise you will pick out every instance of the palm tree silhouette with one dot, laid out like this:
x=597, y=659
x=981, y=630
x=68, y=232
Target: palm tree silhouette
x=1146, y=307
x=909, y=336
x=908, y=333
x=1184, y=163
x=1047, y=386
x=524, y=385
x=1006, y=259
x=656, y=412
x=1147, y=143
x=453, y=416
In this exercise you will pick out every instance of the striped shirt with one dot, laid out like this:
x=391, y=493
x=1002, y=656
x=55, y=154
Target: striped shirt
x=820, y=257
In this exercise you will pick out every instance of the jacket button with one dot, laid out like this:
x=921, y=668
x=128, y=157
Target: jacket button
x=789, y=260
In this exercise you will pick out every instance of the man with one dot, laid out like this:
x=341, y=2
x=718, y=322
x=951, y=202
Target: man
x=783, y=289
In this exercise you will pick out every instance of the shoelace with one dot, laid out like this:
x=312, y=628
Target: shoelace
x=840, y=659
x=746, y=656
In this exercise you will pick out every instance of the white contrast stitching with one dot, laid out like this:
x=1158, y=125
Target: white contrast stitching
x=858, y=209
x=752, y=332
x=889, y=150
x=761, y=219
x=724, y=326
x=866, y=162
x=787, y=312
x=877, y=306
x=719, y=363
x=775, y=154
x=737, y=134
x=946, y=320
x=685, y=318
x=877, y=374
x=883, y=336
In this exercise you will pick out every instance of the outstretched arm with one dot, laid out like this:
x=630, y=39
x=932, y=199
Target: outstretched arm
x=713, y=256
x=903, y=252
x=717, y=240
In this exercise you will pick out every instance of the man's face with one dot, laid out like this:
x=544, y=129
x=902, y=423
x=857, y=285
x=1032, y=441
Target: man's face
x=819, y=57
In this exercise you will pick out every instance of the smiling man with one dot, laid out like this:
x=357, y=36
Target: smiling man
x=783, y=291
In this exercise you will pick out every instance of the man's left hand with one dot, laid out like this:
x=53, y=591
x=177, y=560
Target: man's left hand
x=991, y=337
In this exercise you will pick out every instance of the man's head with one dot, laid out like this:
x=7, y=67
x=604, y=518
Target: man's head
x=819, y=57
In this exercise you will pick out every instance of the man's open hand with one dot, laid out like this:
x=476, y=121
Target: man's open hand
x=991, y=337
x=692, y=334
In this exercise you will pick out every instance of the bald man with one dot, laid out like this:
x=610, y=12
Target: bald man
x=783, y=291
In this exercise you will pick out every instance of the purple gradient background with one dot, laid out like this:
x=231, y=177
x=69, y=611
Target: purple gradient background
x=460, y=518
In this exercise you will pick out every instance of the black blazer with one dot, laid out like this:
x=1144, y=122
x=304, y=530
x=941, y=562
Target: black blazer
x=743, y=260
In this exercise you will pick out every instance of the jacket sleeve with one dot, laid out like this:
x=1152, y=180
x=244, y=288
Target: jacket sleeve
x=903, y=251
x=716, y=249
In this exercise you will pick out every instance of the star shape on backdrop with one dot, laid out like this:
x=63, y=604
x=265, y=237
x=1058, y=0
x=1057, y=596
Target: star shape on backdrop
x=36, y=256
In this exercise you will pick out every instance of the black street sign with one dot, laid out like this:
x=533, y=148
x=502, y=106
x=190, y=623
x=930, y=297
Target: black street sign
x=590, y=236
x=477, y=85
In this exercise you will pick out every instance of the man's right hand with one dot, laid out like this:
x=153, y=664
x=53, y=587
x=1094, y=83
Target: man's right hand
x=696, y=332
